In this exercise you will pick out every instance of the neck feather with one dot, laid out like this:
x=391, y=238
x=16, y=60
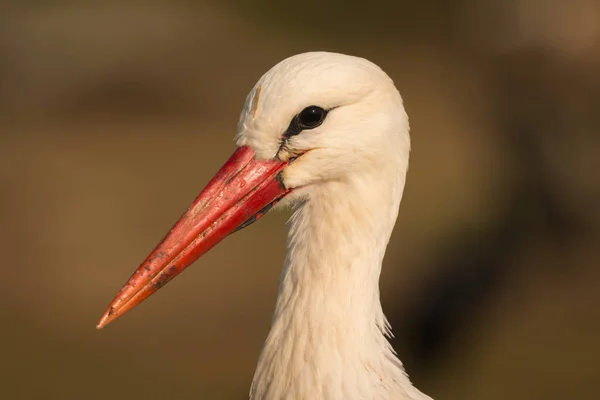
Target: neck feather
x=327, y=336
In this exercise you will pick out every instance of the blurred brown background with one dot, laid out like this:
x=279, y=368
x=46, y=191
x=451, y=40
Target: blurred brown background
x=114, y=115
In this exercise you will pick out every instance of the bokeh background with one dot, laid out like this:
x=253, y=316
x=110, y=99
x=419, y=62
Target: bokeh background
x=113, y=115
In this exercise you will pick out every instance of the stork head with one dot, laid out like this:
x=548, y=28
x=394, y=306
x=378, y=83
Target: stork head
x=313, y=118
x=330, y=116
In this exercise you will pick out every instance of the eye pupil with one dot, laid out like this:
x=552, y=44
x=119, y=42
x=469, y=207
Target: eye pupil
x=311, y=117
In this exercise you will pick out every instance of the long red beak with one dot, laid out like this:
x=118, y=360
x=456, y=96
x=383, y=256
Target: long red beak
x=241, y=192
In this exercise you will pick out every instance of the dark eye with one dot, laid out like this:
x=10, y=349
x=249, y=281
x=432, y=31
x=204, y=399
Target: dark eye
x=311, y=117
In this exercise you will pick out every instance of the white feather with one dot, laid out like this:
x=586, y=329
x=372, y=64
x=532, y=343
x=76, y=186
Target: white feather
x=327, y=339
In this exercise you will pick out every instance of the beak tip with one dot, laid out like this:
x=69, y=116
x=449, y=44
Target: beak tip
x=102, y=323
x=106, y=318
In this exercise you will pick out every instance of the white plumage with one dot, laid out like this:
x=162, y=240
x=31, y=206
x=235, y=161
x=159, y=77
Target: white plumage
x=327, y=337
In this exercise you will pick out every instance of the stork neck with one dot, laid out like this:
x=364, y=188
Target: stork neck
x=336, y=244
x=327, y=337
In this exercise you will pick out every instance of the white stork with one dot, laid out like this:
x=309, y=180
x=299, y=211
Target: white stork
x=326, y=134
